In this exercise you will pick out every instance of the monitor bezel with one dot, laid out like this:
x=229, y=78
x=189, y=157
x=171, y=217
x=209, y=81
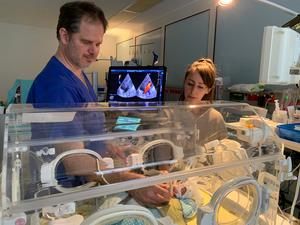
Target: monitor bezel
x=163, y=68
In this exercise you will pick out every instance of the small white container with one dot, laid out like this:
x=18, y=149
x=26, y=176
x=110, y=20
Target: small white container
x=280, y=116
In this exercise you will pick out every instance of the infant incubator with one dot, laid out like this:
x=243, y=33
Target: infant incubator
x=221, y=163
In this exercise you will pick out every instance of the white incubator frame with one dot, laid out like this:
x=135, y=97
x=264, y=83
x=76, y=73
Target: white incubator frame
x=221, y=162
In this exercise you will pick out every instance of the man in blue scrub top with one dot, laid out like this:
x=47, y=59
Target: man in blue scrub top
x=80, y=31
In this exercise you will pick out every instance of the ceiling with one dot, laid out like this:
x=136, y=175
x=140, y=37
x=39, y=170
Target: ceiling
x=44, y=13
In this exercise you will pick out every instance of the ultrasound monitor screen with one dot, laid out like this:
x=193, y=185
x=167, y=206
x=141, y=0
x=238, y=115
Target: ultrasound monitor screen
x=136, y=84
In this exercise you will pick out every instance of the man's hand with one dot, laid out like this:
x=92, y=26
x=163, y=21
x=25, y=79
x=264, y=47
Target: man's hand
x=152, y=196
x=114, y=150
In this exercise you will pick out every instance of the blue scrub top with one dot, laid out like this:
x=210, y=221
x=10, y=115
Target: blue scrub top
x=57, y=86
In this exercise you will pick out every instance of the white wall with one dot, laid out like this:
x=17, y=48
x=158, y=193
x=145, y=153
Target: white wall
x=25, y=50
x=187, y=33
x=166, y=12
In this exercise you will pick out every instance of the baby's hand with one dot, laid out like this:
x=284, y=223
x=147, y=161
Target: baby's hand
x=179, y=188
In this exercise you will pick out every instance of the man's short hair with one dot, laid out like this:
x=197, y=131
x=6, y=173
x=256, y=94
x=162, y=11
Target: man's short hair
x=72, y=13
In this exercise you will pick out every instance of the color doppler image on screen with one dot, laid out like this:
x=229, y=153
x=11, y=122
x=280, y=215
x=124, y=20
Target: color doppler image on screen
x=136, y=84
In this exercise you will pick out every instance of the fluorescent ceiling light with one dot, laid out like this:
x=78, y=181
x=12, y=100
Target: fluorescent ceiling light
x=225, y=2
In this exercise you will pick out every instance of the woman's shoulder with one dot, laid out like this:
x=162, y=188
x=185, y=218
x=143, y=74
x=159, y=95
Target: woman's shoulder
x=214, y=113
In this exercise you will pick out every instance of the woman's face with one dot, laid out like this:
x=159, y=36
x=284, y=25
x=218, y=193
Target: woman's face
x=194, y=88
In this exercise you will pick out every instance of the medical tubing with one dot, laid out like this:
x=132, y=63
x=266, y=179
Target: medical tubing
x=282, y=214
x=296, y=196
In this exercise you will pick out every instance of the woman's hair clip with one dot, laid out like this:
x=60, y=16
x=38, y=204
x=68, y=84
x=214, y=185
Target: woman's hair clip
x=206, y=60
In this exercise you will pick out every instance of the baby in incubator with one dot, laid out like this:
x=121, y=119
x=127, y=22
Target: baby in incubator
x=181, y=208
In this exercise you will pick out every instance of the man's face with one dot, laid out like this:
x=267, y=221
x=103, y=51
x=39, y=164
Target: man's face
x=82, y=48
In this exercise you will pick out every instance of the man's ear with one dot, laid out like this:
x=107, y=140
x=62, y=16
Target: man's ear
x=64, y=35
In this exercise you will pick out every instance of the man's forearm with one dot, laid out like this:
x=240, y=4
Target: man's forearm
x=86, y=165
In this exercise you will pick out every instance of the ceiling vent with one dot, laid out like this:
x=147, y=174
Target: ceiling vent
x=141, y=5
x=131, y=12
x=121, y=17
